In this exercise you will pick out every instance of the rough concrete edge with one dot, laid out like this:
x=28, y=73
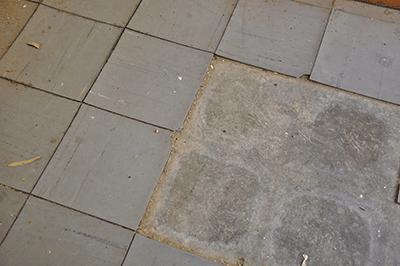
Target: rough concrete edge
x=151, y=209
x=379, y=3
x=367, y=10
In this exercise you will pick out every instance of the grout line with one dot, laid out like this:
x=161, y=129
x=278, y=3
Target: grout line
x=1, y=57
x=226, y=27
x=81, y=212
x=166, y=40
x=105, y=63
x=16, y=217
x=73, y=14
x=128, y=117
x=55, y=150
x=128, y=249
x=330, y=17
x=38, y=89
x=134, y=12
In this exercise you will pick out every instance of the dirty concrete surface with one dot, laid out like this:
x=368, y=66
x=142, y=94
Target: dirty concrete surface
x=269, y=167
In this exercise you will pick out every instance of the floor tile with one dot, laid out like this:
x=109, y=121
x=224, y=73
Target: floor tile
x=269, y=167
x=281, y=36
x=32, y=124
x=107, y=166
x=147, y=252
x=71, y=54
x=13, y=17
x=116, y=12
x=10, y=204
x=151, y=80
x=198, y=23
x=360, y=55
x=48, y=234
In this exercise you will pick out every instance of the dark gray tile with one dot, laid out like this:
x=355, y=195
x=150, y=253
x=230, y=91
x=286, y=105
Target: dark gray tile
x=116, y=12
x=151, y=80
x=13, y=17
x=48, y=234
x=32, y=124
x=71, y=54
x=10, y=204
x=361, y=55
x=146, y=252
x=107, y=166
x=198, y=23
x=281, y=36
x=269, y=167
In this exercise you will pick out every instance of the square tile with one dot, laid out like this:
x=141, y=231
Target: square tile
x=360, y=55
x=32, y=124
x=281, y=36
x=10, y=204
x=116, y=12
x=48, y=234
x=145, y=251
x=107, y=165
x=198, y=23
x=150, y=79
x=72, y=52
x=13, y=17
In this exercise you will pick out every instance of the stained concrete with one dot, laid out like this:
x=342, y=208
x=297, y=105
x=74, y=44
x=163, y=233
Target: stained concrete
x=269, y=167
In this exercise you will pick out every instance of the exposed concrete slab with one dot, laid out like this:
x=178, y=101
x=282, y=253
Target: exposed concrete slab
x=282, y=36
x=32, y=124
x=116, y=12
x=48, y=234
x=269, y=167
x=150, y=79
x=11, y=203
x=72, y=52
x=107, y=165
x=13, y=17
x=361, y=55
x=197, y=23
x=146, y=252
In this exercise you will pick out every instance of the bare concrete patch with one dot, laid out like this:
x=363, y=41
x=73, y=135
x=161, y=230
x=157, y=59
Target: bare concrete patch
x=269, y=167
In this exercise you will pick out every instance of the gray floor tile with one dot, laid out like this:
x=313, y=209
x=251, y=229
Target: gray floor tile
x=281, y=36
x=10, y=204
x=360, y=55
x=107, y=166
x=32, y=124
x=72, y=52
x=150, y=80
x=116, y=12
x=48, y=234
x=13, y=17
x=147, y=252
x=198, y=23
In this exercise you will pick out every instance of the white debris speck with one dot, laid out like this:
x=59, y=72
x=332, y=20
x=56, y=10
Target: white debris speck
x=92, y=117
x=180, y=78
x=361, y=196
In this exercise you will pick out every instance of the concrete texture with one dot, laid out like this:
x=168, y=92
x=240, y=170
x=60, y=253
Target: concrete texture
x=107, y=166
x=150, y=80
x=71, y=54
x=360, y=54
x=32, y=124
x=13, y=17
x=10, y=204
x=281, y=36
x=198, y=23
x=47, y=234
x=269, y=167
x=116, y=12
x=147, y=252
